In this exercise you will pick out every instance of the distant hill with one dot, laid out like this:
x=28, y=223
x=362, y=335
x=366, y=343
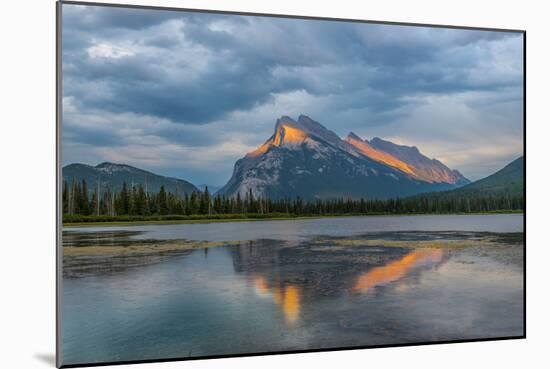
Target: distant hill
x=112, y=176
x=303, y=158
x=507, y=181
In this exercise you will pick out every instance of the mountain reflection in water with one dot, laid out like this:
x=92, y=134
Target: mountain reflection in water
x=397, y=269
x=288, y=298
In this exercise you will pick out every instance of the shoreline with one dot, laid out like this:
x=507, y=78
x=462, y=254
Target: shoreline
x=252, y=219
x=455, y=240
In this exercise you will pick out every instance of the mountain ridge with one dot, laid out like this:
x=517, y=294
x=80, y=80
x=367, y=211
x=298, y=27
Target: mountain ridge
x=112, y=175
x=364, y=147
x=304, y=158
x=424, y=167
x=507, y=181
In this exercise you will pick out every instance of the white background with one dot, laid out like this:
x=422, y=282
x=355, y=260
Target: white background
x=27, y=185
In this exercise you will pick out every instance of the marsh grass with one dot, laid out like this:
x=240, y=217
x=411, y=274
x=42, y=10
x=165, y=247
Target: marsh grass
x=142, y=248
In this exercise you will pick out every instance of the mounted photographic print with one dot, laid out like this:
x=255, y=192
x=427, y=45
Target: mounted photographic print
x=246, y=184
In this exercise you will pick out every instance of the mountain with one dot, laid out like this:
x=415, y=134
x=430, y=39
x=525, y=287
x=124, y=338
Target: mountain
x=112, y=176
x=422, y=167
x=365, y=148
x=303, y=158
x=508, y=180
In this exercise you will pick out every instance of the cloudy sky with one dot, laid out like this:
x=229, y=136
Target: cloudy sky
x=187, y=94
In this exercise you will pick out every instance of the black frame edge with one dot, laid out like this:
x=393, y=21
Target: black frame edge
x=272, y=15
x=291, y=352
x=58, y=184
x=525, y=184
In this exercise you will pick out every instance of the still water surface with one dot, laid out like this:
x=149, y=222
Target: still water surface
x=297, y=285
x=340, y=226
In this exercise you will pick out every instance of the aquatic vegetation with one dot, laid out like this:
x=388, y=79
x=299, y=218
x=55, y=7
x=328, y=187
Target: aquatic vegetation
x=476, y=240
x=142, y=247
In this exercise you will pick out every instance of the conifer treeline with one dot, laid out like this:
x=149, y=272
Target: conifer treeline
x=78, y=200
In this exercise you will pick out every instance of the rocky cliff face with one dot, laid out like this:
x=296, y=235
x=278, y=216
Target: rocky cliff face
x=409, y=160
x=303, y=158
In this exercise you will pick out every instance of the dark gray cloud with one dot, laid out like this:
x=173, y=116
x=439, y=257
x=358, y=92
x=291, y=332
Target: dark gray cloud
x=152, y=69
x=104, y=19
x=196, y=72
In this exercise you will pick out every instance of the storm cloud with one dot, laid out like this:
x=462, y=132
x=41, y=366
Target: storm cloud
x=190, y=84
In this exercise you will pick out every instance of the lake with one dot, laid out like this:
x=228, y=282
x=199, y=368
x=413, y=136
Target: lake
x=185, y=290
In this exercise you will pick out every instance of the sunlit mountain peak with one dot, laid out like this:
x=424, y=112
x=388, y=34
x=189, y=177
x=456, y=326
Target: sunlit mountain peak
x=288, y=132
x=366, y=149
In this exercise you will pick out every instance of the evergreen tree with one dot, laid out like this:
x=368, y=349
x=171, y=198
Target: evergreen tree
x=205, y=202
x=94, y=204
x=123, y=201
x=140, y=202
x=76, y=200
x=194, y=205
x=163, y=201
x=83, y=201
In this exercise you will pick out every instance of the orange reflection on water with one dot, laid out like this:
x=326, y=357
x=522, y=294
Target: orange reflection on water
x=261, y=286
x=291, y=303
x=288, y=297
x=396, y=269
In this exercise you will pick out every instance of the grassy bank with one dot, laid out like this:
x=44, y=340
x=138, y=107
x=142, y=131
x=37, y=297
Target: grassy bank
x=92, y=220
